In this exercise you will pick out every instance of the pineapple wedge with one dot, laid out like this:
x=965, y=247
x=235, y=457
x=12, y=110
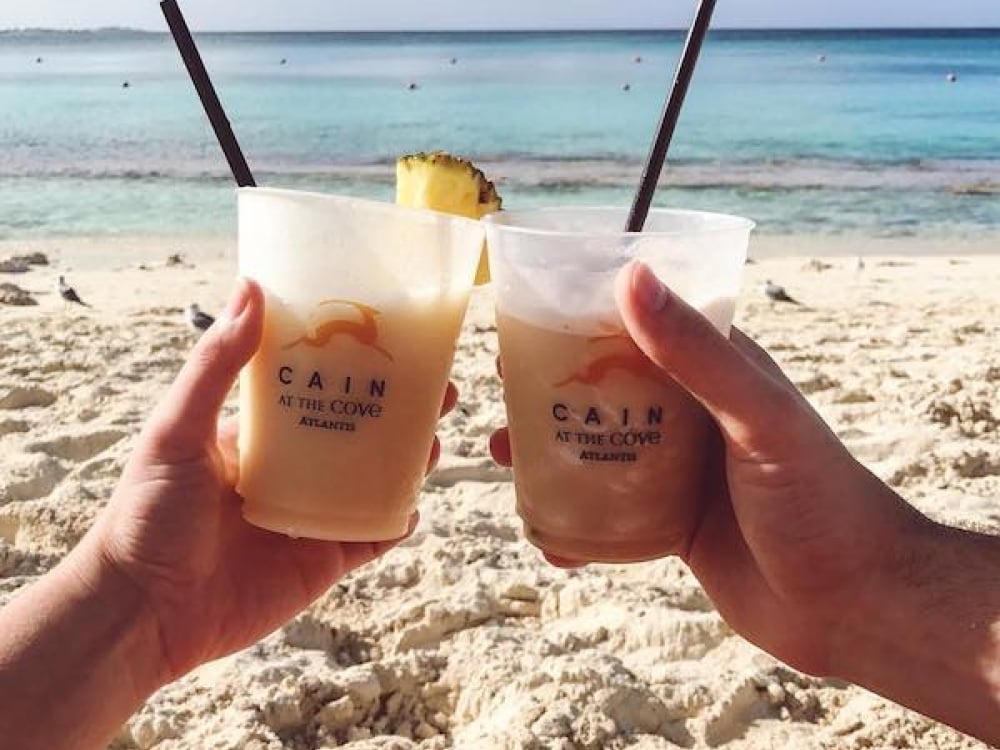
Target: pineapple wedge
x=439, y=181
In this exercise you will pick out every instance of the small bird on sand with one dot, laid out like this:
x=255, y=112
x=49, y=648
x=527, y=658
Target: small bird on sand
x=199, y=321
x=69, y=294
x=777, y=293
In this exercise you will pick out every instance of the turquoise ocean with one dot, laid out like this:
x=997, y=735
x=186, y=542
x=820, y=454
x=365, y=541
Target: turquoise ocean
x=832, y=132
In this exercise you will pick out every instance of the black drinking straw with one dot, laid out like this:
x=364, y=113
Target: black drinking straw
x=668, y=120
x=206, y=92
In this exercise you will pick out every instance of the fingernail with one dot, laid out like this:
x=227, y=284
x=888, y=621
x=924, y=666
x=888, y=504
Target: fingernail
x=649, y=291
x=238, y=301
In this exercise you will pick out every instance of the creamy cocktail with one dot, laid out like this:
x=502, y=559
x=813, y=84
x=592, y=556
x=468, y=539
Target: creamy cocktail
x=609, y=452
x=364, y=304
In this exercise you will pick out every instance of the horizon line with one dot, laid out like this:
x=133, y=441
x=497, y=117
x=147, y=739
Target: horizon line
x=512, y=30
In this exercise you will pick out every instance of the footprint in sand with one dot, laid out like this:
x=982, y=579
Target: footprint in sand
x=9, y=524
x=17, y=397
x=309, y=633
x=12, y=426
x=976, y=465
x=902, y=476
x=854, y=396
x=454, y=469
x=770, y=693
x=8, y=558
x=78, y=446
x=817, y=383
x=29, y=478
x=101, y=467
x=674, y=634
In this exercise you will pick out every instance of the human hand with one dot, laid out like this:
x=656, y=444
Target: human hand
x=210, y=582
x=793, y=531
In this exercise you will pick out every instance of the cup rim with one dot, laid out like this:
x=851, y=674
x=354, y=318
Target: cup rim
x=366, y=203
x=730, y=222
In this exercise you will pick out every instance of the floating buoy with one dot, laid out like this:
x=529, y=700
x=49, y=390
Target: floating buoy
x=412, y=86
x=637, y=59
x=126, y=85
x=821, y=58
x=284, y=61
x=951, y=77
x=454, y=61
x=626, y=87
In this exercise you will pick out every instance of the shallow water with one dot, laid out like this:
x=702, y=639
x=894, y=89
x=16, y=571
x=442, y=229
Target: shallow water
x=873, y=139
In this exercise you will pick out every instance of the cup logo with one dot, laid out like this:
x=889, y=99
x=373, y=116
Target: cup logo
x=364, y=331
x=629, y=358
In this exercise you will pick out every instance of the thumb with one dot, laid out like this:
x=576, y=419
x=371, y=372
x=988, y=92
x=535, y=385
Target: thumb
x=739, y=394
x=184, y=422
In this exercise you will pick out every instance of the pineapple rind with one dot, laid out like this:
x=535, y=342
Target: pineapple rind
x=445, y=183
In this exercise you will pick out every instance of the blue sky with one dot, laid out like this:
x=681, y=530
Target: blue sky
x=482, y=14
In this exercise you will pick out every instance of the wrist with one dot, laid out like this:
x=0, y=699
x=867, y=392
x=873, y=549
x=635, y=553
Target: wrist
x=926, y=632
x=883, y=604
x=116, y=606
x=78, y=648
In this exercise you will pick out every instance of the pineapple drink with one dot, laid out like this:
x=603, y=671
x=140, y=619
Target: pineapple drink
x=609, y=453
x=364, y=303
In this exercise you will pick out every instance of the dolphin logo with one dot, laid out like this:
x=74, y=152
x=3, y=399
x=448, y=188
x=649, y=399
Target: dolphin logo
x=363, y=331
x=632, y=361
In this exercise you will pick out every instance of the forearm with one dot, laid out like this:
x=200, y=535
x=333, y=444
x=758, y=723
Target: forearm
x=77, y=657
x=927, y=632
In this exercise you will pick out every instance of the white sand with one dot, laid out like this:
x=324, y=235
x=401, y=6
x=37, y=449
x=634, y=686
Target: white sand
x=464, y=637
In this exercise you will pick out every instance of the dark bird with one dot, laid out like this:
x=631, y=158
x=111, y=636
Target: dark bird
x=69, y=294
x=199, y=321
x=626, y=87
x=126, y=84
x=412, y=86
x=777, y=293
x=951, y=77
x=284, y=61
x=454, y=61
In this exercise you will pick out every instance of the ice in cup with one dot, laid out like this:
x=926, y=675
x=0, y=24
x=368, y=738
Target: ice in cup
x=364, y=302
x=609, y=453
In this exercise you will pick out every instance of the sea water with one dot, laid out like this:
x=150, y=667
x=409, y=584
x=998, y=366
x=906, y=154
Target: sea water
x=819, y=132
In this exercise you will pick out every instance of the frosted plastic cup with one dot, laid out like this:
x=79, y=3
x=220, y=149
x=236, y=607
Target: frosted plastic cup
x=609, y=453
x=363, y=306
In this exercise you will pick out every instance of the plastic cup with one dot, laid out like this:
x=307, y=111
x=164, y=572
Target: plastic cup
x=364, y=302
x=609, y=453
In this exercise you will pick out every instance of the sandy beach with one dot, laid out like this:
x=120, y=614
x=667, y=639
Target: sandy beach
x=464, y=637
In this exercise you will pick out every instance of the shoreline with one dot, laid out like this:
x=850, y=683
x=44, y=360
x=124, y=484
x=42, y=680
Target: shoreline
x=88, y=252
